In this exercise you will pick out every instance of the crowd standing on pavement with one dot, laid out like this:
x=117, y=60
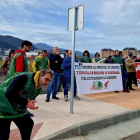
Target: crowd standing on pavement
x=21, y=88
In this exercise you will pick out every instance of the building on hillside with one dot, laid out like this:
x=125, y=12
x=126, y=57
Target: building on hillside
x=104, y=53
x=7, y=51
x=126, y=51
x=138, y=52
x=31, y=55
x=2, y=52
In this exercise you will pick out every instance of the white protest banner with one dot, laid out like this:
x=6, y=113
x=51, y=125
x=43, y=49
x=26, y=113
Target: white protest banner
x=138, y=72
x=97, y=77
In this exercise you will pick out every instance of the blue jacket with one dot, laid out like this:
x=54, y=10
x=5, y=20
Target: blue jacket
x=67, y=66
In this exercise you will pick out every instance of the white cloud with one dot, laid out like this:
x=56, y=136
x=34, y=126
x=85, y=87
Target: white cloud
x=119, y=12
x=108, y=23
x=56, y=12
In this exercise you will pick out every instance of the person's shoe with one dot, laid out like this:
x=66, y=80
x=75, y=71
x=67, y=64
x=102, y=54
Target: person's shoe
x=66, y=98
x=131, y=89
x=76, y=97
x=30, y=114
x=126, y=90
x=116, y=91
x=56, y=98
x=47, y=100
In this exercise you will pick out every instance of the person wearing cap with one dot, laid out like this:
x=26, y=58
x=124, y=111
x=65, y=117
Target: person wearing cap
x=131, y=72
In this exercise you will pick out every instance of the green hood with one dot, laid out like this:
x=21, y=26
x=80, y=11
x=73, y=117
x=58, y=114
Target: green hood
x=86, y=59
x=41, y=63
x=117, y=60
x=12, y=69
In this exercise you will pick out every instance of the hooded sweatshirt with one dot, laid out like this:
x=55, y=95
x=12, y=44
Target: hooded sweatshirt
x=18, y=64
x=40, y=63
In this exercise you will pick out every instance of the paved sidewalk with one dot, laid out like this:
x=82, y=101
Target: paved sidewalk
x=55, y=115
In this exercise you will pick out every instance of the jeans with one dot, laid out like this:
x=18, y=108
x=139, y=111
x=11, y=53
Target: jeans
x=61, y=82
x=24, y=123
x=55, y=82
x=67, y=84
x=124, y=78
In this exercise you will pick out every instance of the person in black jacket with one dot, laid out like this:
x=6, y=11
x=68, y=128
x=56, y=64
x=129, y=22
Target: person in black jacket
x=108, y=59
x=55, y=65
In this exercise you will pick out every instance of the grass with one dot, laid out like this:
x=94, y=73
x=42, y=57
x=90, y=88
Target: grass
x=29, y=66
x=1, y=62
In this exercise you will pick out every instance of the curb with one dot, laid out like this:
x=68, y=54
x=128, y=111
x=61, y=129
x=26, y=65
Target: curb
x=95, y=124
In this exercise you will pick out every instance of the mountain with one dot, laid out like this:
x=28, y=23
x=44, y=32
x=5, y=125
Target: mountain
x=7, y=42
x=43, y=46
x=6, y=45
x=11, y=42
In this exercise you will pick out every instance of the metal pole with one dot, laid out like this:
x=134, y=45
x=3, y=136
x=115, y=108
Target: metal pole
x=73, y=61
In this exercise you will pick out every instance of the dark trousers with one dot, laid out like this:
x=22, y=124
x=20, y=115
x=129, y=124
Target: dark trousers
x=135, y=78
x=130, y=77
x=24, y=123
x=61, y=83
x=124, y=78
x=67, y=84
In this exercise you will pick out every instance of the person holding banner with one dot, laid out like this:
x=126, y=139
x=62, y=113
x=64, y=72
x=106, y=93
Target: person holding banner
x=107, y=60
x=96, y=58
x=67, y=75
x=124, y=73
x=117, y=59
x=86, y=57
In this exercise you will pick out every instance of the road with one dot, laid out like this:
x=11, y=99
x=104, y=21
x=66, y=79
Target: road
x=129, y=130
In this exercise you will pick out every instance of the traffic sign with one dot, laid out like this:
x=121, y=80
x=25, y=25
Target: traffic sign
x=79, y=18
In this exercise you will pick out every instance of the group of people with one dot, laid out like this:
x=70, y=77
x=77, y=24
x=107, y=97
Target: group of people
x=20, y=88
x=61, y=67
x=19, y=91
x=127, y=64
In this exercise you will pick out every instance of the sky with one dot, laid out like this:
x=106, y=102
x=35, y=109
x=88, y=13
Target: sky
x=111, y=24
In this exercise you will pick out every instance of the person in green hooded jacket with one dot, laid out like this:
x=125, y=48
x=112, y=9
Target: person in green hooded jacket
x=86, y=57
x=19, y=61
x=117, y=59
x=16, y=95
x=96, y=58
x=41, y=62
